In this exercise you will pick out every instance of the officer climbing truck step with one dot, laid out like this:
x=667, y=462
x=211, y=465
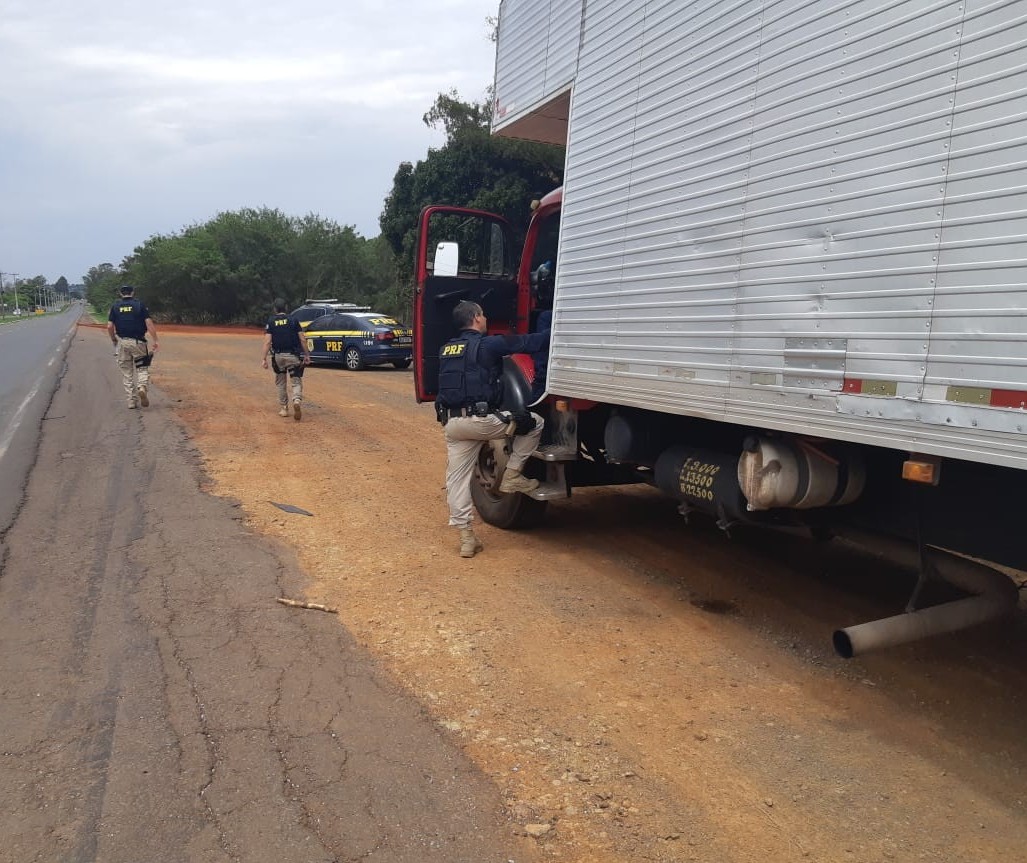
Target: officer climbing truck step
x=467, y=405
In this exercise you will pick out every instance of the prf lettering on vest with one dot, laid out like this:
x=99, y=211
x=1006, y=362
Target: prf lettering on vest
x=282, y=322
x=124, y=309
x=453, y=350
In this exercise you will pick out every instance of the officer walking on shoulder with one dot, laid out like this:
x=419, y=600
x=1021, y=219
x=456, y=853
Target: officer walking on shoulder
x=467, y=405
x=285, y=345
x=128, y=323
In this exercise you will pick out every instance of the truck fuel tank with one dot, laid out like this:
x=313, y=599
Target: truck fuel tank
x=794, y=473
x=704, y=479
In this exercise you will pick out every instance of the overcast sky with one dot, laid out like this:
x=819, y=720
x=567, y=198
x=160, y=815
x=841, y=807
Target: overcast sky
x=120, y=120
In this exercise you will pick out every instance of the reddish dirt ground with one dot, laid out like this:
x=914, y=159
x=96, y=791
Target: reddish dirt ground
x=637, y=688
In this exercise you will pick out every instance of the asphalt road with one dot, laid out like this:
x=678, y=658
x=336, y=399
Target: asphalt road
x=158, y=704
x=33, y=350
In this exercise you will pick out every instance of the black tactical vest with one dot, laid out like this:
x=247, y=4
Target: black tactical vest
x=463, y=380
x=285, y=336
x=128, y=315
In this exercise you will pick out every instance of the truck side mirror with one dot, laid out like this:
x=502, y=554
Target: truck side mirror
x=447, y=259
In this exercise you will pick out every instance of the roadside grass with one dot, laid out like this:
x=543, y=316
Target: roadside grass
x=96, y=316
x=17, y=319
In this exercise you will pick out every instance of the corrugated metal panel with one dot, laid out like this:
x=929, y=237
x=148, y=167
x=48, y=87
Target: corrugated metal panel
x=750, y=185
x=520, y=58
x=845, y=184
x=562, y=45
x=536, y=57
x=979, y=325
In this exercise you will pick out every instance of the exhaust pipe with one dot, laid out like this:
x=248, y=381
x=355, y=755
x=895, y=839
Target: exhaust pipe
x=993, y=595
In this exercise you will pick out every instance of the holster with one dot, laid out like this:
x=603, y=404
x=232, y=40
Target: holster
x=295, y=371
x=521, y=423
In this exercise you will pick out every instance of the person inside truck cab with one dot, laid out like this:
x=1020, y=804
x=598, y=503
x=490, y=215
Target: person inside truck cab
x=542, y=281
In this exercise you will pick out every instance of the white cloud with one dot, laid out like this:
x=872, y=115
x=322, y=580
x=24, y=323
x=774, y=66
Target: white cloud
x=129, y=119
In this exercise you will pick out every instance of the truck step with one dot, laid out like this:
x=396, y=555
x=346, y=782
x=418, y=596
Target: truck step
x=550, y=491
x=552, y=452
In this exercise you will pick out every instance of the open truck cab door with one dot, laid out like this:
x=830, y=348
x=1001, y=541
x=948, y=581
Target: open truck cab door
x=462, y=254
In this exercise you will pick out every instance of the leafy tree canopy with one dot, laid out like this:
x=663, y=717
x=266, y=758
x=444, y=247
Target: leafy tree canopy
x=230, y=269
x=472, y=169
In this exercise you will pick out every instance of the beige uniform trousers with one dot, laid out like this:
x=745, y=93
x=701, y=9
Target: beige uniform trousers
x=285, y=362
x=133, y=377
x=464, y=437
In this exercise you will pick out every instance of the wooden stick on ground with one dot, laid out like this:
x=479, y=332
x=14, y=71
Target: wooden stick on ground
x=295, y=603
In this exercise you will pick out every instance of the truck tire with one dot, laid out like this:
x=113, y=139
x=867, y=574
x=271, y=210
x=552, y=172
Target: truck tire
x=506, y=511
x=402, y=364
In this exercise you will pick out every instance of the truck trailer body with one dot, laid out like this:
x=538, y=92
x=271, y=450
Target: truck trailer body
x=804, y=216
x=790, y=258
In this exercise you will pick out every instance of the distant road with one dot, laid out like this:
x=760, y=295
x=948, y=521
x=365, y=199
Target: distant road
x=32, y=353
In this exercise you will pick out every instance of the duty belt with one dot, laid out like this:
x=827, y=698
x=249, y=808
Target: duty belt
x=479, y=409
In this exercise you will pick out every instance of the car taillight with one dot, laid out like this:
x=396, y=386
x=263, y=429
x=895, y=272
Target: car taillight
x=384, y=337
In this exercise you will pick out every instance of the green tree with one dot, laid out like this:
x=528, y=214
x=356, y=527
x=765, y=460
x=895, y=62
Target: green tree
x=472, y=169
x=178, y=278
x=101, y=284
x=230, y=269
x=31, y=291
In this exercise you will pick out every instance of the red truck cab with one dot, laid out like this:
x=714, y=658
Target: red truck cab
x=466, y=254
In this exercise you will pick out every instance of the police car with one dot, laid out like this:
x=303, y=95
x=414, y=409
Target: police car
x=311, y=310
x=359, y=339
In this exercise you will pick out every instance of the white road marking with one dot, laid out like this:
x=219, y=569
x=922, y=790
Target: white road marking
x=12, y=428
x=5, y=441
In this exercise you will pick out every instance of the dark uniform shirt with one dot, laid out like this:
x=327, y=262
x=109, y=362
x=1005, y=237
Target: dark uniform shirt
x=465, y=379
x=541, y=357
x=129, y=318
x=494, y=348
x=285, y=335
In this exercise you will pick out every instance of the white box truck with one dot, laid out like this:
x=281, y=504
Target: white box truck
x=790, y=258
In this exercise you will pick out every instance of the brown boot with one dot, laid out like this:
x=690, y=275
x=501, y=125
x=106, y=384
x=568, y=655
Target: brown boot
x=515, y=481
x=470, y=545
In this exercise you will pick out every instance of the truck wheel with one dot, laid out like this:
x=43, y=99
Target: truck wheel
x=402, y=364
x=506, y=511
x=354, y=362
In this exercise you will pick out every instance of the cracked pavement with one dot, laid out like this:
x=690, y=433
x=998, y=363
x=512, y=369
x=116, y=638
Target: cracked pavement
x=157, y=703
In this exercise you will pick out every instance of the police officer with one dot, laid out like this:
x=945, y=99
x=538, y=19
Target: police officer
x=128, y=323
x=467, y=405
x=542, y=281
x=285, y=345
